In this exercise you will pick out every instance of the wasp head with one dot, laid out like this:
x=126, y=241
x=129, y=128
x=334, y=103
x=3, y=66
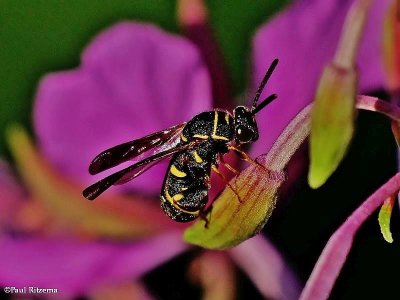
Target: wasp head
x=246, y=130
x=245, y=125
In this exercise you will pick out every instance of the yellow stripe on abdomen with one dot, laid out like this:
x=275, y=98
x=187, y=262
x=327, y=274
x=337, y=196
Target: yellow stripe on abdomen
x=172, y=200
x=176, y=172
x=197, y=157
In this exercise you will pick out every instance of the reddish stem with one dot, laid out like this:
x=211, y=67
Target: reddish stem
x=375, y=104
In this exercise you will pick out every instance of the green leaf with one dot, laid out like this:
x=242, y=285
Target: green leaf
x=384, y=218
x=231, y=221
x=332, y=122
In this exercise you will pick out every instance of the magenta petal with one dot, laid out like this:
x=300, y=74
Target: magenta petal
x=304, y=37
x=76, y=267
x=134, y=79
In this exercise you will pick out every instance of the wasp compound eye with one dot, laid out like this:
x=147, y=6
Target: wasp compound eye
x=244, y=134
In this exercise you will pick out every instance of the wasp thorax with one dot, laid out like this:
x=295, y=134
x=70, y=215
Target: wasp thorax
x=246, y=130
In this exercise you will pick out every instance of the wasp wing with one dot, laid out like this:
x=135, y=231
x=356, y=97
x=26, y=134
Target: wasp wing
x=129, y=173
x=129, y=150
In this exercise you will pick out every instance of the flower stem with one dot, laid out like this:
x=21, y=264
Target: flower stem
x=378, y=105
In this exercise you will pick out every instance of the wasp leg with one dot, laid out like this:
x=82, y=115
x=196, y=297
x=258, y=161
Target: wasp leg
x=273, y=174
x=214, y=168
x=243, y=155
x=228, y=166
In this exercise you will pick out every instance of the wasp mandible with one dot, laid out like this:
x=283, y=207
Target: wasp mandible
x=196, y=147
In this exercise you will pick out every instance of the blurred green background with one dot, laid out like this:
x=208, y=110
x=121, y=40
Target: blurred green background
x=41, y=36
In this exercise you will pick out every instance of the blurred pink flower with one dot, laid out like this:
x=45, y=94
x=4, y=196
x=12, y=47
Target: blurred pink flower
x=71, y=264
x=134, y=79
x=78, y=267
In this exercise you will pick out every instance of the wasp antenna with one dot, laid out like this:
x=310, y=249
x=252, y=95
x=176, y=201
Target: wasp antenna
x=264, y=103
x=264, y=82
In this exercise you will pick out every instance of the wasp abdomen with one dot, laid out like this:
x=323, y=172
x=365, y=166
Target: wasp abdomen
x=185, y=190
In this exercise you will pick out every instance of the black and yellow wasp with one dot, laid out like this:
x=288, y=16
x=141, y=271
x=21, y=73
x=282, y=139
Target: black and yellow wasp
x=196, y=147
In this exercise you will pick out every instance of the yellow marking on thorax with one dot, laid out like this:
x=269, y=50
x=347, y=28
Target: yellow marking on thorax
x=176, y=172
x=214, y=134
x=218, y=137
x=172, y=200
x=201, y=136
x=197, y=157
x=215, y=123
x=183, y=138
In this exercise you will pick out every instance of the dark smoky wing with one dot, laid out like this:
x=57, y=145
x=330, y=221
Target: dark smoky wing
x=136, y=172
x=129, y=150
x=129, y=173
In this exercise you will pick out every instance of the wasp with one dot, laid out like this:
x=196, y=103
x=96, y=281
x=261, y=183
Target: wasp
x=197, y=147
